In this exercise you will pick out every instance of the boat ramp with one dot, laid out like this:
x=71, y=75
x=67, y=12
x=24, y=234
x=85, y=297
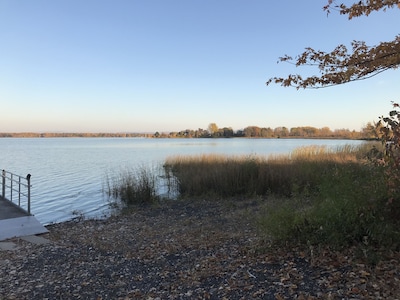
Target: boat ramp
x=16, y=219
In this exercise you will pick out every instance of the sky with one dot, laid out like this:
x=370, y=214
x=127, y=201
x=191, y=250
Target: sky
x=171, y=65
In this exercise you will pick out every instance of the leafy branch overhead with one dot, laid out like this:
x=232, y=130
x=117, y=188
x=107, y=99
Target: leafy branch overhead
x=342, y=65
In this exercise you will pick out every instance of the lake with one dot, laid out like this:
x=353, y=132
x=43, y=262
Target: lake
x=68, y=174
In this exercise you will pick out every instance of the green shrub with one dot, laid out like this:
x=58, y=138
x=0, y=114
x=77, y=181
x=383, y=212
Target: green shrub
x=347, y=210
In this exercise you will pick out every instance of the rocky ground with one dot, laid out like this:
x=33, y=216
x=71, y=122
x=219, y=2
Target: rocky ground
x=197, y=249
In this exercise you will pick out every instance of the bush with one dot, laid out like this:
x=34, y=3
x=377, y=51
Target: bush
x=347, y=210
x=389, y=133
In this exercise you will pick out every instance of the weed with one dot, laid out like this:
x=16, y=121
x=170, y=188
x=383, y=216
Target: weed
x=133, y=186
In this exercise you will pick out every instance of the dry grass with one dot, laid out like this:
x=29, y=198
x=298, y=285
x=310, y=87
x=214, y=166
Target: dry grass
x=256, y=175
x=330, y=196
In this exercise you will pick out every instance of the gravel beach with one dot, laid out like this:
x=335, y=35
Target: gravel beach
x=200, y=249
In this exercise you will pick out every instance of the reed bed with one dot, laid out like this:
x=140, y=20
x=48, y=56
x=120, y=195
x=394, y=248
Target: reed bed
x=133, y=186
x=313, y=195
x=256, y=175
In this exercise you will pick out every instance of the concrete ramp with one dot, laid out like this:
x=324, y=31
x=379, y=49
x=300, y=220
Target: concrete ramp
x=21, y=226
x=16, y=221
x=10, y=210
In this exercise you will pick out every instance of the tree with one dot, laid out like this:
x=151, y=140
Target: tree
x=389, y=132
x=212, y=128
x=252, y=131
x=227, y=132
x=266, y=132
x=281, y=132
x=325, y=132
x=369, y=131
x=342, y=65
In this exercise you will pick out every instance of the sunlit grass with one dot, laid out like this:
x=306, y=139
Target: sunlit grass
x=133, y=186
x=328, y=196
x=232, y=175
x=313, y=195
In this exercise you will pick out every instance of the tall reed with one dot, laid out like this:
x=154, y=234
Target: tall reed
x=255, y=175
x=324, y=196
x=133, y=186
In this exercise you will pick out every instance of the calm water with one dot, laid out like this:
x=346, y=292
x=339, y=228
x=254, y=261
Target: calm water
x=68, y=174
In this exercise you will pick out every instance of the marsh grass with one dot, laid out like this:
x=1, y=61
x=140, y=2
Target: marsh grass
x=133, y=186
x=324, y=196
x=313, y=196
x=255, y=175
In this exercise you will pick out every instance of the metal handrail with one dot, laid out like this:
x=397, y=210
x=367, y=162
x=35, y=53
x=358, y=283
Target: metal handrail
x=9, y=180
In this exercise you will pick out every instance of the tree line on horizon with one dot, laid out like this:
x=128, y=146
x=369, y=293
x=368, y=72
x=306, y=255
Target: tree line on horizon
x=66, y=134
x=213, y=131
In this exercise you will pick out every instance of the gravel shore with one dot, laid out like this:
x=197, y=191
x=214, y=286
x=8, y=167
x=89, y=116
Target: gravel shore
x=198, y=249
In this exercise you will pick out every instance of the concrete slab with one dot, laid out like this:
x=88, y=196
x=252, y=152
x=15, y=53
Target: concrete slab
x=8, y=246
x=22, y=226
x=37, y=240
x=9, y=210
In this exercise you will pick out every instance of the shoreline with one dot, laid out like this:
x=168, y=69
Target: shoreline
x=183, y=250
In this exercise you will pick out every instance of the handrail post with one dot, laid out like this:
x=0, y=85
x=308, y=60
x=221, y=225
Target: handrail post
x=14, y=182
x=3, y=194
x=19, y=190
x=11, y=186
x=28, y=179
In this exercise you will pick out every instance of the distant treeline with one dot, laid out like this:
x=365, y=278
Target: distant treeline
x=213, y=131
x=66, y=134
x=368, y=132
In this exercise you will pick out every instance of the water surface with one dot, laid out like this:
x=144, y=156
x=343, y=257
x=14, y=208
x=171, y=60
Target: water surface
x=68, y=174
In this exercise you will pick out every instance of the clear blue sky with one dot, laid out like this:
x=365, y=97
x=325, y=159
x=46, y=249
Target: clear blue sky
x=169, y=65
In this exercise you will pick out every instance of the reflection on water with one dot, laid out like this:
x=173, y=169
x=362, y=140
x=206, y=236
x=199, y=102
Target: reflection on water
x=68, y=174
